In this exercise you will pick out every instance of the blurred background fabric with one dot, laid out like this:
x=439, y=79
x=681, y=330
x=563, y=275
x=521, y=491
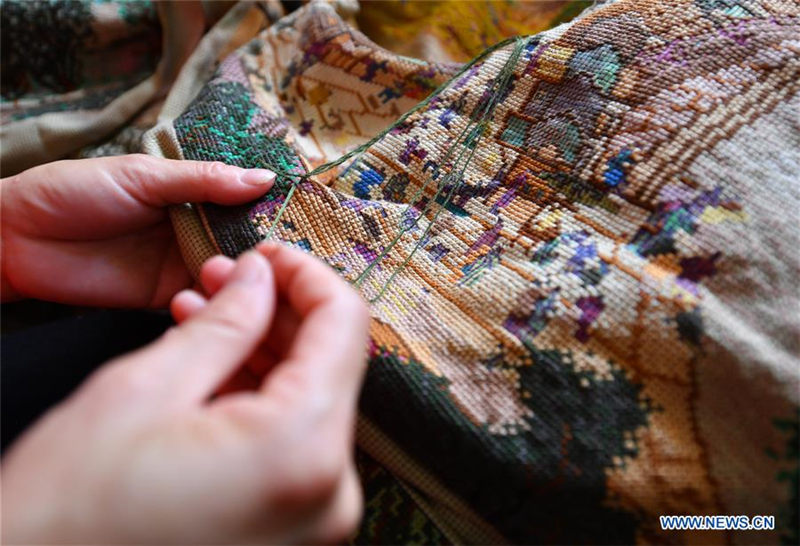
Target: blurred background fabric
x=443, y=31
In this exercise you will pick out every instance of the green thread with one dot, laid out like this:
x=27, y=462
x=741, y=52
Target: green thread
x=360, y=279
x=475, y=127
x=328, y=166
x=282, y=209
x=502, y=80
x=425, y=232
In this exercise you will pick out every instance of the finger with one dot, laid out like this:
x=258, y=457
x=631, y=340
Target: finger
x=160, y=182
x=185, y=304
x=194, y=358
x=113, y=195
x=214, y=272
x=140, y=269
x=269, y=354
x=324, y=367
x=213, y=275
x=284, y=330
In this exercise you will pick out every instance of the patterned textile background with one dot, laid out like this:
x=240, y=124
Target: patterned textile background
x=581, y=251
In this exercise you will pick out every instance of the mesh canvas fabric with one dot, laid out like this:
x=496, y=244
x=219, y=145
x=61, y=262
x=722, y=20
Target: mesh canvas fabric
x=591, y=322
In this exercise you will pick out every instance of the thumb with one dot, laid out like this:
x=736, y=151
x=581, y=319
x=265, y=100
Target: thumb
x=159, y=182
x=115, y=195
x=193, y=359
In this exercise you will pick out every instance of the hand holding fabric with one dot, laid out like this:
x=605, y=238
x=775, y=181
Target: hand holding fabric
x=97, y=232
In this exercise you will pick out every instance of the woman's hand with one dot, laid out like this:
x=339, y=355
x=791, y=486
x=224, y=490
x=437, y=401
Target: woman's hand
x=140, y=453
x=96, y=231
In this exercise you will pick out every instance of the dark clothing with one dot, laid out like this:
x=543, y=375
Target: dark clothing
x=41, y=365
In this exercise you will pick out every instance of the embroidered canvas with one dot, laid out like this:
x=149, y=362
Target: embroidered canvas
x=580, y=249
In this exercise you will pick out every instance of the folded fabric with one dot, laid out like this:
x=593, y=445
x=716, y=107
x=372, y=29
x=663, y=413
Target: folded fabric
x=87, y=79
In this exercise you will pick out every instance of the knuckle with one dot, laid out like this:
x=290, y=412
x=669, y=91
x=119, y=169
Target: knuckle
x=10, y=181
x=328, y=470
x=225, y=326
x=144, y=158
x=250, y=414
x=101, y=385
x=214, y=169
x=343, y=515
x=313, y=489
x=120, y=380
x=134, y=162
x=290, y=386
x=134, y=379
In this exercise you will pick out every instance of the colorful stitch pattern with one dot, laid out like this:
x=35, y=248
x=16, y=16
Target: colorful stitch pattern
x=576, y=292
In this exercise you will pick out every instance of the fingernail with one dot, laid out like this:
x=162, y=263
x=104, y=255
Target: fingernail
x=257, y=177
x=249, y=267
